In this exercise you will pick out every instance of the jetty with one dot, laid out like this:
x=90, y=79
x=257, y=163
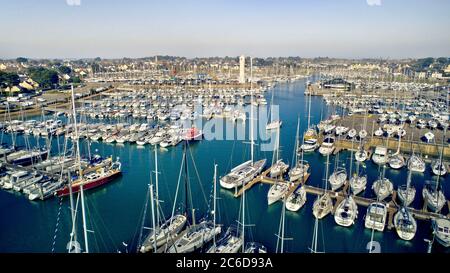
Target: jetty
x=339, y=196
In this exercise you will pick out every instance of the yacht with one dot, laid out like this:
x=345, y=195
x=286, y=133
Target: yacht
x=298, y=171
x=242, y=174
x=396, y=161
x=441, y=230
x=255, y=248
x=383, y=187
x=380, y=155
x=195, y=237
x=416, y=164
x=274, y=125
x=231, y=242
x=376, y=216
x=276, y=192
x=433, y=195
x=309, y=145
x=278, y=169
x=322, y=206
x=296, y=200
x=438, y=168
x=406, y=194
x=164, y=233
x=361, y=155
x=405, y=224
x=338, y=178
x=358, y=183
x=327, y=147
x=346, y=212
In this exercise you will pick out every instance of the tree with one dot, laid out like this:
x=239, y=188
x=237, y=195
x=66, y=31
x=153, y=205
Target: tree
x=22, y=60
x=65, y=70
x=45, y=77
x=9, y=79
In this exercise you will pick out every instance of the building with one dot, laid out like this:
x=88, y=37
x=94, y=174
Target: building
x=242, y=69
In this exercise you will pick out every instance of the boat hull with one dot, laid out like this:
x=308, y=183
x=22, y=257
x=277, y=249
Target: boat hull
x=90, y=185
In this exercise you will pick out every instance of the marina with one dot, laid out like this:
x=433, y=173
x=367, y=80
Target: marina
x=255, y=187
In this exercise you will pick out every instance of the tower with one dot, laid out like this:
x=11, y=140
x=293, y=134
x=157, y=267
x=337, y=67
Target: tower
x=242, y=69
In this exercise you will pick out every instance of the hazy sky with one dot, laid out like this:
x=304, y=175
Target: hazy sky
x=137, y=28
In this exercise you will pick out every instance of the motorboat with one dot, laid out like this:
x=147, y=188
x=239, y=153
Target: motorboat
x=380, y=155
x=441, y=230
x=327, y=147
x=376, y=216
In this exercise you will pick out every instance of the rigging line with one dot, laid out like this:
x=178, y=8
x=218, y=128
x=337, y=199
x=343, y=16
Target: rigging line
x=198, y=177
x=57, y=225
x=178, y=187
x=102, y=222
x=144, y=214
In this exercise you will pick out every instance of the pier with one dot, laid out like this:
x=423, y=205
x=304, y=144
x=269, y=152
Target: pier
x=339, y=196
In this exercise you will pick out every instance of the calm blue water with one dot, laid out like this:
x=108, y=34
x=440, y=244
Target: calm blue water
x=115, y=211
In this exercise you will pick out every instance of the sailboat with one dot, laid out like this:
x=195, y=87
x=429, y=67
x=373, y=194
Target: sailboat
x=433, y=195
x=405, y=224
x=407, y=193
x=338, y=177
x=195, y=235
x=383, y=187
x=279, y=167
x=310, y=143
x=231, y=242
x=74, y=246
x=346, y=212
x=323, y=204
x=432, y=192
x=279, y=189
x=301, y=167
x=358, y=181
x=415, y=162
x=397, y=160
x=162, y=234
x=273, y=124
x=246, y=171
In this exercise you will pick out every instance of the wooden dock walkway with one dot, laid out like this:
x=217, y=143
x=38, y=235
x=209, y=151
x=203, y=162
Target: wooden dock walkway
x=339, y=196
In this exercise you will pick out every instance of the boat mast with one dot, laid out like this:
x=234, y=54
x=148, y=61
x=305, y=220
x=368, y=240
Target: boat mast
x=77, y=142
x=157, y=187
x=214, y=203
x=251, y=110
x=153, y=216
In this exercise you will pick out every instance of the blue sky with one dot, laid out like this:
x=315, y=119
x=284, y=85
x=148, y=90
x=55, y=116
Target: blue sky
x=136, y=28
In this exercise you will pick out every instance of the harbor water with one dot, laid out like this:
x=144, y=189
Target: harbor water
x=115, y=211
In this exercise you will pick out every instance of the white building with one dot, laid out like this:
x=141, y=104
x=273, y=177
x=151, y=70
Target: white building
x=242, y=69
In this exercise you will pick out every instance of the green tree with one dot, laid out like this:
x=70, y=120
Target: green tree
x=8, y=79
x=22, y=60
x=45, y=77
x=65, y=70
